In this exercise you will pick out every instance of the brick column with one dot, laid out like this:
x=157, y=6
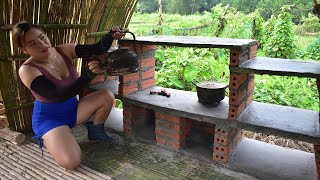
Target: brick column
x=133, y=117
x=317, y=159
x=241, y=85
x=241, y=89
x=171, y=131
x=226, y=140
x=145, y=77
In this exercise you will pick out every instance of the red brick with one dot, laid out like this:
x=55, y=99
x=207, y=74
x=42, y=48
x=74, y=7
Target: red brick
x=130, y=107
x=128, y=131
x=177, y=136
x=223, y=131
x=148, y=59
x=236, y=80
x=148, y=74
x=249, y=98
x=144, y=47
x=236, y=96
x=128, y=86
x=131, y=114
x=127, y=91
x=145, y=86
x=220, y=158
x=150, y=62
x=140, y=47
x=316, y=149
x=221, y=140
x=161, y=140
x=238, y=56
x=169, y=125
x=253, y=54
x=221, y=149
x=134, y=77
x=254, y=48
x=148, y=81
x=251, y=84
x=235, y=111
x=169, y=118
x=234, y=57
x=110, y=78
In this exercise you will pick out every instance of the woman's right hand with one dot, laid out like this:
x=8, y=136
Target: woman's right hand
x=117, y=32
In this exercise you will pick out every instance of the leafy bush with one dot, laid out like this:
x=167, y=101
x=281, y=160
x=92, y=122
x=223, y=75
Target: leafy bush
x=178, y=67
x=281, y=42
x=287, y=91
x=313, y=51
x=258, y=29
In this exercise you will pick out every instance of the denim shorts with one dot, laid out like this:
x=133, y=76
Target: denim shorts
x=47, y=116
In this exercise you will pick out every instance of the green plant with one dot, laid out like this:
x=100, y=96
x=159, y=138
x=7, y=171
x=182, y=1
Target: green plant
x=180, y=66
x=281, y=42
x=313, y=51
x=258, y=29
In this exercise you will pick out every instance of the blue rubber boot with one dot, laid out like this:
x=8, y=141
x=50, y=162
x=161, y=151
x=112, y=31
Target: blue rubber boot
x=96, y=133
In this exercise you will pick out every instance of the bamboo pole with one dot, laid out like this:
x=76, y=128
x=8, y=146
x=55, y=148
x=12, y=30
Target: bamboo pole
x=12, y=136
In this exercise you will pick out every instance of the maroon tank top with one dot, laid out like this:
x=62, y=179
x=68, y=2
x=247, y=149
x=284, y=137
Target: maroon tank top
x=73, y=75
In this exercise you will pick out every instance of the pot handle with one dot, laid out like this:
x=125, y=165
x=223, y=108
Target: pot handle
x=195, y=82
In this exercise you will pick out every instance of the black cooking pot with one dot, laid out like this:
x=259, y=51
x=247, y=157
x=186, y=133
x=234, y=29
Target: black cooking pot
x=120, y=62
x=210, y=92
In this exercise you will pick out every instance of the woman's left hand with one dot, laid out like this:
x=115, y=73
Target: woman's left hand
x=95, y=67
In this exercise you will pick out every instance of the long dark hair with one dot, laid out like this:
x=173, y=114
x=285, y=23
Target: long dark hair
x=19, y=30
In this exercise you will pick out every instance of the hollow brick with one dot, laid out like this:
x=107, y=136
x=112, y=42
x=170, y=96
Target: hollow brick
x=220, y=158
x=236, y=80
x=236, y=96
x=235, y=111
x=238, y=56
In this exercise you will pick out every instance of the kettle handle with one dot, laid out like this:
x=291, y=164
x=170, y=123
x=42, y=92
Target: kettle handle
x=194, y=82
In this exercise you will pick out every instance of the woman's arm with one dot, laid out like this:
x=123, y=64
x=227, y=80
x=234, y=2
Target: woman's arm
x=45, y=88
x=87, y=50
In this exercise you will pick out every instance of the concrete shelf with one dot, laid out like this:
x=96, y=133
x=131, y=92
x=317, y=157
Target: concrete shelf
x=194, y=41
x=290, y=122
x=281, y=67
x=284, y=121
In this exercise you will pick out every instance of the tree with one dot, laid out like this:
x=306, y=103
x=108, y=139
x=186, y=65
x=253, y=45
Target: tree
x=147, y=6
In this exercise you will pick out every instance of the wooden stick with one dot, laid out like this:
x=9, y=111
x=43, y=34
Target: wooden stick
x=12, y=136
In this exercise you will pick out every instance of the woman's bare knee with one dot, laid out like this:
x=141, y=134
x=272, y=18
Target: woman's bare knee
x=69, y=162
x=108, y=95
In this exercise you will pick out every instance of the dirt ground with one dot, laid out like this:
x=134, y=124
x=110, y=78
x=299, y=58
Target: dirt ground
x=294, y=144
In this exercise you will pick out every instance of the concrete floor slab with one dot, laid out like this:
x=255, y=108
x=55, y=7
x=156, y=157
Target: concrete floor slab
x=267, y=161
